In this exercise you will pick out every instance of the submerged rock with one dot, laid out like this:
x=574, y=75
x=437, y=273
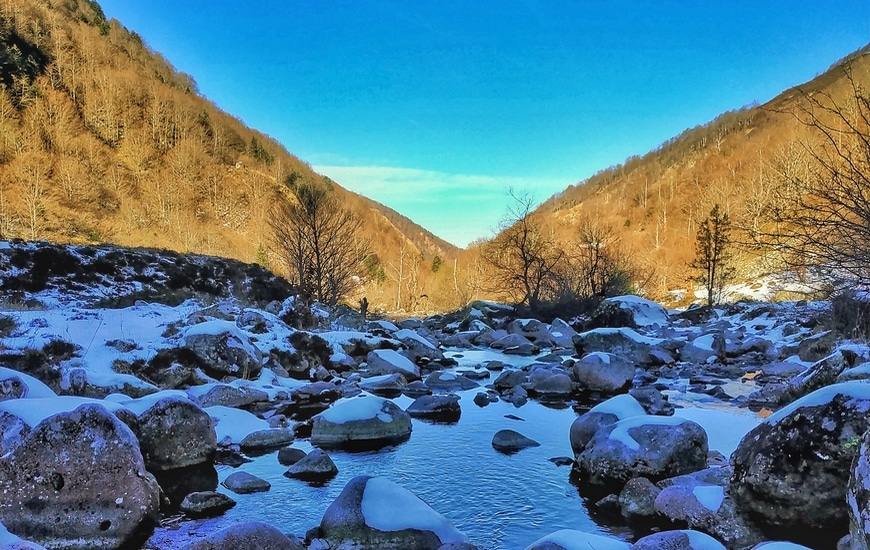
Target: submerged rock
x=244, y=483
x=509, y=441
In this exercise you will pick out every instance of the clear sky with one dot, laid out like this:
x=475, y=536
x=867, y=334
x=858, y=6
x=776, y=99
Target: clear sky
x=437, y=107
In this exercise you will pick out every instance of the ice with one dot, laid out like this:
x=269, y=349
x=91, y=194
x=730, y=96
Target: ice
x=387, y=506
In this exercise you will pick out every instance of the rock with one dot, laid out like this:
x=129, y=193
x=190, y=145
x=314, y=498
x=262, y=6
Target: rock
x=206, y=504
x=224, y=349
x=173, y=431
x=374, y=512
x=561, y=334
x=387, y=361
x=481, y=399
x=791, y=471
x=315, y=466
x=359, y=422
x=244, y=483
x=250, y=535
x=652, y=401
x=50, y=483
x=448, y=381
x=858, y=497
x=550, y=383
x=267, y=438
x=508, y=379
x=290, y=455
x=227, y=395
x=386, y=385
x=678, y=540
x=15, y=385
x=416, y=389
x=532, y=330
x=419, y=349
x=822, y=373
x=603, y=414
x=640, y=311
x=569, y=539
x=603, y=372
x=11, y=542
x=655, y=447
x=637, y=499
x=441, y=408
x=509, y=441
x=624, y=342
x=817, y=347
x=514, y=344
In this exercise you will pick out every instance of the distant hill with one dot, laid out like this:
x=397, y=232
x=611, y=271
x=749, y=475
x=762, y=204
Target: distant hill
x=102, y=140
x=654, y=201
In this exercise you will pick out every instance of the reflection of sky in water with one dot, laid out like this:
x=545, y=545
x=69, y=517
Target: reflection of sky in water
x=499, y=501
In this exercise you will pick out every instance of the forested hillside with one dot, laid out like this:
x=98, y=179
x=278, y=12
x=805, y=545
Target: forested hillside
x=102, y=140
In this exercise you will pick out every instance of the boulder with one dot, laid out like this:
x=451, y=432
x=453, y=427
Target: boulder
x=418, y=348
x=174, y=432
x=602, y=415
x=244, y=483
x=533, y=330
x=374, y=512
x=561, y=334
x=509, y=441
x=448, y=381
x=206, y=504
x=515, y=344
x=250, y=535
x=266, y=438
x=441, y=408
x=791, y=471
x=508, y=379
x=603, y=372
x=315, y=466
x=637, y=499
x=223, y=349
x=548, y=383
x=570, y=539
x=227, y=395
x=288, y=456
x=361, y=422
x=79, y=481
x=655, y=447
x=387, y=361
x=386, y=385
x=858, y=497
x=639, y=312
x=633, y=347
x=678, y=540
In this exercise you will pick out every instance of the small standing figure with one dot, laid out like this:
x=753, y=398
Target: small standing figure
x=363, y=307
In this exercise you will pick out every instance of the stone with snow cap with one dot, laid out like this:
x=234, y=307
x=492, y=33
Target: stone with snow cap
x=248, y=535
x=570, y=539
x=625, y=342
x=15, y=385
x=374, y=512
x=858, y=497
x=655, y=447
x=791, y=471
x=640, y=311
x=365, y=421
x=678, y=540
x=78, y=481
x=387, y=361
x=224, y=348
x=603, y=372
x=419, y=348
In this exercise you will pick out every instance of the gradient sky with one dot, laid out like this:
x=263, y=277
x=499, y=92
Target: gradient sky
x=436, y=108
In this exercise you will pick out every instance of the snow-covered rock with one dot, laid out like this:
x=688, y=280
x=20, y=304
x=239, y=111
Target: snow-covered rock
x=387, y=361
x=374, y=512
x=603, y=414
x=449, y=381
x=570, y=539
x=441, y=408
x=516, y=344
x=64, y=462
x=642, y=312
x=386, y=385
x=678, y=540
x=603, y=372
x=233, y=425
x=791, y=471
x=249, y=534
x=365, y=421
x=632, y=346
x=14, y=385
x=224, y=348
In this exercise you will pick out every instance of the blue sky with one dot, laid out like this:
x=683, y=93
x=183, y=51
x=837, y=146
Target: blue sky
x=436, y=108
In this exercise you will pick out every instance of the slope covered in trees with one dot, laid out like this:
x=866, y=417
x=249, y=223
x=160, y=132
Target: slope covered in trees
x=102, y=140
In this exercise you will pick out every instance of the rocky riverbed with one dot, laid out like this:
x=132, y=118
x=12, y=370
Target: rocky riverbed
x=155, y=400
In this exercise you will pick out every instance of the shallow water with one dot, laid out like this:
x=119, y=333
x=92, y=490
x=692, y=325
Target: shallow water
x=499, y=501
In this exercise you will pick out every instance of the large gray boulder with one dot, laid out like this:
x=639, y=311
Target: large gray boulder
x=173, y=431
x=365, y=421
x=250, y=535
x=625, y=342
x=791, y=471
x=224, y=349
x=374, y=512
x=654, y=447
x=570, y=539
x=603, y=372
x=79, y=481
x=604, y=414
x=858, y=497
x=387, y=361
x=440, y=408
x=418, y=348
x=685, y=539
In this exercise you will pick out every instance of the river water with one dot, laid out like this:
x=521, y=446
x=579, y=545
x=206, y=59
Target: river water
x=499, y=501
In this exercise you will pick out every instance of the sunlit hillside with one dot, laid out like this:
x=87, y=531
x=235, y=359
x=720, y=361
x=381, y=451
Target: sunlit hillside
x=102, y=140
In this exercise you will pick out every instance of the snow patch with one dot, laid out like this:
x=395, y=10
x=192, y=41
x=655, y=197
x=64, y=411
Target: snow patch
x=622, y=406
x=621, y=428
x=34, y=388
x=710, y=496
x=34, y=411
x=232, y=425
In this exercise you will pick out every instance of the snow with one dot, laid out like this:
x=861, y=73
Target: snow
x=34, y=388
x=217, y=327
x=7, y=538
x=710, y=496
x=704, y=342
x=777, y=545
x=141, y=405
x=621, y=428
x=339, y=338
x=387, y=506
x=645, y=312
x=622, y=406
x=603, y=358
x=396, y=359
x=570, y=539
x=628, y=333
x=354, y=409
x=702, y=541
x=857, y=390
x=408, y=334
x=232, y=425
x=34, y=411
x=385, y=325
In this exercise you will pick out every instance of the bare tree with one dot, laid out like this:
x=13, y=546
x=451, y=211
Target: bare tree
x=820, y=216
x=523, y=256
x=318, y=240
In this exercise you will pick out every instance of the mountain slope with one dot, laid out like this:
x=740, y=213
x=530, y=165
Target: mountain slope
x=102, y=140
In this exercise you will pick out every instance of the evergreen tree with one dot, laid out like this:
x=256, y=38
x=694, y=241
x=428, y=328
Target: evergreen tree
x=713, y=255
